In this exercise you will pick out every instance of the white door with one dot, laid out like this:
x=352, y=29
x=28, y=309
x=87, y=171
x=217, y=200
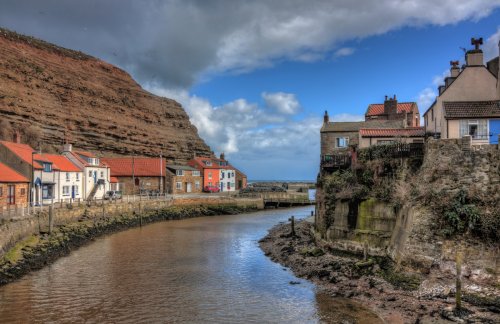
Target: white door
x=188, y=187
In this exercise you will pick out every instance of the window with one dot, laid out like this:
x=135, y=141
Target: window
x=222, y=163
x=207, y=163
x=90, y=173
x=76, y=190
x=47, y=167
x=67, y=176
x=197, y=184
x=77, y=176
x=179, y=173
x=228, y=185
x=342, y=141
x=102, y=174
x=196, y=173
x=1, y=191
x=178, y=185
x=209, y=183
x=65, y=191
x=210, y=175
x=222, y=175
x=11, y=195
x=385, y=142
x=477, y=129
x=23, y=191
x=47, y=191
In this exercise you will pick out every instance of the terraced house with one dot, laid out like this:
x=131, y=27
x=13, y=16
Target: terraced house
x=183, y=179
x=14, y=189
x=468, y=103
x=217, y=173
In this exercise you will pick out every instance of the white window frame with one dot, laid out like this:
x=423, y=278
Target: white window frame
x=68, y=177
x=65, y=191
x=196, y=173
x=197, y=184
x=339, y=140
x=178, y=185
x=179, y=173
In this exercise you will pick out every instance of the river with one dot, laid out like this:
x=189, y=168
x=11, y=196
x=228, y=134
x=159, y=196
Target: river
x=200, y=270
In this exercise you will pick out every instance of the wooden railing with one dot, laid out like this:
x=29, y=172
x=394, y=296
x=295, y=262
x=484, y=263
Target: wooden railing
x=340, y=160
x=397, y=150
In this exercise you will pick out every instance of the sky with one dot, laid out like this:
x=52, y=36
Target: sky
x=255, y=77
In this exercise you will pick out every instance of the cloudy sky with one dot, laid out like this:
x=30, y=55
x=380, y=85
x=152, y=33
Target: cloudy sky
x=256, y=76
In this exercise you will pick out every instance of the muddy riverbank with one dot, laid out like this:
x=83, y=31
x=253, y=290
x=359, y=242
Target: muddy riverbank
x=42, y=249
x=394, y=295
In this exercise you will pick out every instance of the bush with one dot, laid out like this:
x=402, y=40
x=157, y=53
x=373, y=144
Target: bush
x=460, y=215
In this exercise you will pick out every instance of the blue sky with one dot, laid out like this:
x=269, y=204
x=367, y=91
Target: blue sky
x=255, y=77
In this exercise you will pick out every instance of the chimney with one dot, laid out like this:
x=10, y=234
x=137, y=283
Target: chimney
x=16, y=138
x=326, y=119
x=67, y=147
x=390, y=106
x=222, y=156
x=441, y=89
x=474, y=57
x=454, y=70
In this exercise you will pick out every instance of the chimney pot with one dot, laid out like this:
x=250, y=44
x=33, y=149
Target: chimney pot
x=222, y=156
x=67, y=147
x=326, y=118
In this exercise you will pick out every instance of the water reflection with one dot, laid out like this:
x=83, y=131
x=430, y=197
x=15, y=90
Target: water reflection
x=203, y=270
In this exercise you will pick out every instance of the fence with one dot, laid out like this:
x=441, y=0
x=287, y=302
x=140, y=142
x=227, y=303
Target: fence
x=340, y=160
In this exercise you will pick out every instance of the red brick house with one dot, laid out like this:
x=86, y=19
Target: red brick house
x=138, y=175
x=14, y=188
x=391, y=109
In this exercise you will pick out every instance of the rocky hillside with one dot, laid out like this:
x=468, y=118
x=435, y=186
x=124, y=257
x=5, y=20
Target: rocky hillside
x=52, y=93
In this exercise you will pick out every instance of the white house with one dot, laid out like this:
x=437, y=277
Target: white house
x=96, y=175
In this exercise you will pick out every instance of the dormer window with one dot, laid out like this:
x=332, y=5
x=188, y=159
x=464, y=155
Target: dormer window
x=207, y=163
x=47, y=167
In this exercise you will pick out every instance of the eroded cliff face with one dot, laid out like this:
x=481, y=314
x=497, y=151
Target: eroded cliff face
x=60, y=93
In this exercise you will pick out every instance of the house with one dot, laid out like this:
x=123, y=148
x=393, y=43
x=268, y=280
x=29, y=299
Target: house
x=69, y=182
x=14, y=188
x=183, y=179
x=138, y=175
x=241, y=180
x=468, y=101
x=115, y=184
x=337, y=137
x=391, y=109
x=55, y=178
x=217, y=172
x=96, y=174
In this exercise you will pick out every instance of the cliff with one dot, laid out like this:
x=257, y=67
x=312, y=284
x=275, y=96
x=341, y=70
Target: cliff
x=51, y=94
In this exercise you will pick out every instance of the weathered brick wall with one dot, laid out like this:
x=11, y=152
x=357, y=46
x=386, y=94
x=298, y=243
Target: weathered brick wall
x=142, y=183
x=188, y=177
x=328, y=141
x=21, y=194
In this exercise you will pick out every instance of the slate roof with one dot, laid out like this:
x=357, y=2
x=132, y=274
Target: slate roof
x=356, y=126
x=393, y=132
x=471, y=109
x=378, y=109
x=8, y=175
x=143, y=167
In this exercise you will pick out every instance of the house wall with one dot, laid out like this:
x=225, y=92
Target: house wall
x=241, y=180
x=21, y=195
x=144, y=183
x=211, y=177
x=369, y=141
x=89, y=181
x=454, y=130
x=328, y=140
x=227, y=180
x=188, y=177
x=46, y=177
x=75, y=179
x=475, y=83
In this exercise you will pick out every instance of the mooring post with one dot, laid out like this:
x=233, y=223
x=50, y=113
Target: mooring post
x=458, y=294
x=51, y=218
x=292, y=220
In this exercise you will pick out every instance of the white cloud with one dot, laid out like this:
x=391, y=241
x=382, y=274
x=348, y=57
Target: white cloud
x=344, y=51
x=425, y=98
x=268, y=141
x=491, y=46
x=284, y=103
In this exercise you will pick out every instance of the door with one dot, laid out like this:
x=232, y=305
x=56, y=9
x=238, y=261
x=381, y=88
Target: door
x=188, y=187
x=73, y=193
x=11, y=195
x=494, y=130
x=222, y=186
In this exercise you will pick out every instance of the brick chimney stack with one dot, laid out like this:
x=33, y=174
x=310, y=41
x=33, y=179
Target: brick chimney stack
x=16, y=138
x=391, y=106
x=222, y=156
x=326, y=118
x=454, y=70
x=474, y=57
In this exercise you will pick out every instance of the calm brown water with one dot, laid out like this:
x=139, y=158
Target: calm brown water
x=202, y=270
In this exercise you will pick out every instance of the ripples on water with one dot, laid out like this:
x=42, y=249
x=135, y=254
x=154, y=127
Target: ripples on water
x=201, y=270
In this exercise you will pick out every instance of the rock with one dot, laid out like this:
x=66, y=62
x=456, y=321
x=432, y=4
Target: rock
x=294, y=283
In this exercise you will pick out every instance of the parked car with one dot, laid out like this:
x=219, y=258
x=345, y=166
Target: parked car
x=113, y=195
x=211, y=189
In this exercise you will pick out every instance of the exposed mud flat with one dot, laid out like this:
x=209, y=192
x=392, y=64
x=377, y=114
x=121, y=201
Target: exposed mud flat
x=403, y=300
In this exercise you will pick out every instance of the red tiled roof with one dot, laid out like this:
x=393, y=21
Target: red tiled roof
x=393, y=132
x=143, y=167
x=378, y=109
x=62, y=163
x=24, y=152
x=84, y=162
x=9, y=175
x=198, y=161
x=113, y=180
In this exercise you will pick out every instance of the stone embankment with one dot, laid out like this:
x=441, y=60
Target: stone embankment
x=31, y=243
x=374, y=281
